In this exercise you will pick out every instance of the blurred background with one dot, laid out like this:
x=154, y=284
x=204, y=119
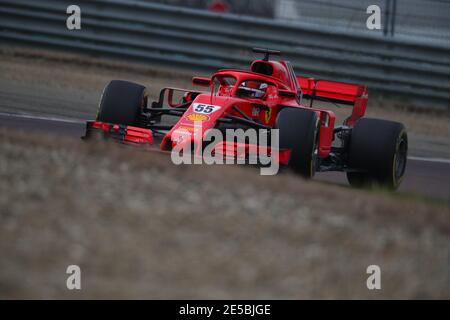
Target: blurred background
x=140, y=227
x=417, y=19
x=408, y=57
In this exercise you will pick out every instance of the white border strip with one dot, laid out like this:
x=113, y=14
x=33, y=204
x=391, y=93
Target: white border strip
x=439, y=160
x=27, y=116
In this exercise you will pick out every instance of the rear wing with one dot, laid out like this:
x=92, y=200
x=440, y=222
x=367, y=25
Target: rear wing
x=336, y=92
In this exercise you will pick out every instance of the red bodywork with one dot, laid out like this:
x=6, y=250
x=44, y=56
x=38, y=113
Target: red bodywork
x=284, y=89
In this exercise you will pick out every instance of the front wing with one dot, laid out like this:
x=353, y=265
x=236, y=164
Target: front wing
x=144, y=137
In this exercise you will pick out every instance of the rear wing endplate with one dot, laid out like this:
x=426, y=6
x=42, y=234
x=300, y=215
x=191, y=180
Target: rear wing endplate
x=336, y=92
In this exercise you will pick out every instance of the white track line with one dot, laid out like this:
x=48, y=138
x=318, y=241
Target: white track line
x=26, y=116
x=439, y=160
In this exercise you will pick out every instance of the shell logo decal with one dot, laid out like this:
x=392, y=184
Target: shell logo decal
x=197, y=117
x=268, y=115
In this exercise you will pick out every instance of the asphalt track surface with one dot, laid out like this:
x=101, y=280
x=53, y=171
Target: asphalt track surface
x=428, y=177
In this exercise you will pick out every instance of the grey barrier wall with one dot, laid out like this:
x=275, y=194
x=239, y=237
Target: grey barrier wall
x=181, y=37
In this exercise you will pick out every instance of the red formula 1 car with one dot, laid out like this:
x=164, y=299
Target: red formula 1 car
x=268, y=96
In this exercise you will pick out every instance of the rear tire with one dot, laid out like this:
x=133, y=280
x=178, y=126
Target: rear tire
x=378, y=153
x=122, y=103
x=299, y=132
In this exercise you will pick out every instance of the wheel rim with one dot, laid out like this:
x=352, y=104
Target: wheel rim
x=315, y=152
x=400, y=158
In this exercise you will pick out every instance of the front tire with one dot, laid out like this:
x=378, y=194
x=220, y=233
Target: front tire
x=122, y=103
x=299, y=132
x=377, y=154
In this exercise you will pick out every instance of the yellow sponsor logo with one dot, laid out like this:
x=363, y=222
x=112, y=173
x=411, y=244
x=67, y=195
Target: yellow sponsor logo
x=188, y=129
x=268, y=114
x=197, y=117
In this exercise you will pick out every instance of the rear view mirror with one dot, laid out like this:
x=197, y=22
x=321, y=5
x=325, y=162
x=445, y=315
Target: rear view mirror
x=201, y=81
